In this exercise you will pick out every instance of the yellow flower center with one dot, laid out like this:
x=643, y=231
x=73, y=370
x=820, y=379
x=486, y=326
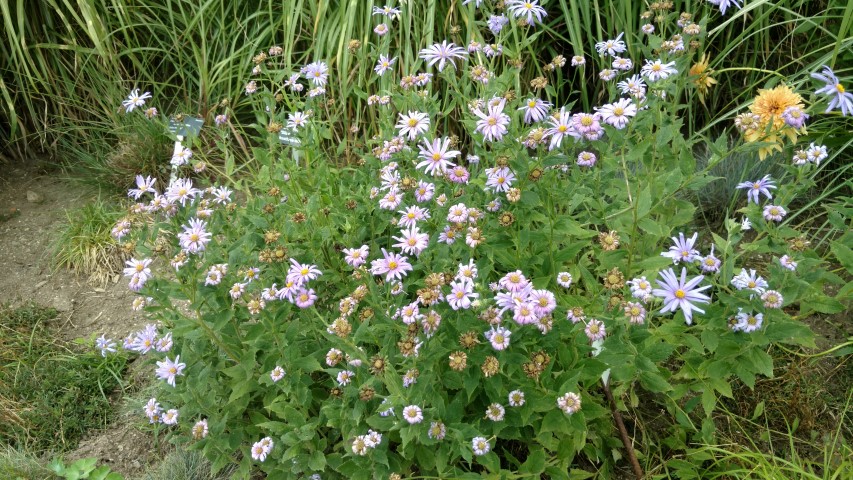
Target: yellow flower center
x=586, y=121
x=774, y=211
x=173, y=370
x=840, y=88
x=656, y=67
x=680, y=293
x=410, y=215
x=436, y=156
x=635, y=311
x=412, y=242
x=531, y=103
x=562, y=128
x=392, y=265
x=412, y=122
x=492, y=122
x=140, y=267
x=751, y=284
x=618, y=111
x=194, y=237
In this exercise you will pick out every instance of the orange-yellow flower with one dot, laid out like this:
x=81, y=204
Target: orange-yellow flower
x=769, y=106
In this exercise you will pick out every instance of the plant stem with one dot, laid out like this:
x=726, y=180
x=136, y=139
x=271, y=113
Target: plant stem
x=623, y=433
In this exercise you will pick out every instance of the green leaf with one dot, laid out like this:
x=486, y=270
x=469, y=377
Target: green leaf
x=654, y=382
x=844, y=254
x=317, y=462
x=535, y=463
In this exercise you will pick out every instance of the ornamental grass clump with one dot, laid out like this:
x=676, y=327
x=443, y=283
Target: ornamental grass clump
x=484, y=290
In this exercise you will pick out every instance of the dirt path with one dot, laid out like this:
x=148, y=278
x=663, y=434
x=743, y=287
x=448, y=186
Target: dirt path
x=85, y=310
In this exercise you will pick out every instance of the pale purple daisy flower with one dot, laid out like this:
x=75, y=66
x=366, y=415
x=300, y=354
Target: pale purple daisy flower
x=607, y=74
x=595, y=330
x=381, y=29
x=480, y=446
x=516, y=398
x=442, y=53
x=168, y=369
x=724, y=4
x=749, y=322
x=620, y=63
x=578, y=61
x=635, y=312
x=640, y=288
x=683, y=249
x=619, y=113
x=569, y=403
x=839, y=97
x=170, y=417
x=393, y=266
x=753, y=189
x=461, y=294
x=143, y=185
x=181, y=190
x=774, y=213
x=195, y=236
x=105, y=345
x=611, y=47
x=586, y=125
x=680, y=293
x=788, y=262
x=495, y=412
x=535, y=109
x=412, y=241
x=658, y=70
x=530, y=10
x=587, y=159
x=499, y=179
x=316, y=72
x=458, y=174
x=424, y=191
x=413, y=414
x=300, y=274
x=496, y=23
x=634, y=86
x=493, y=126
x=436, y=156
x=297, y=120
x=181, y=156
x=498, y=337
x=795, y=117
x=356, y=257
x=561, y=125
x=816, y=153
x=564, y=279
x=384, y=64
x=413, y=124
x=135, y=100
x=277, y=374
x=138, y=268
x=711, y=264
x=412, y=215
x=772, y=299
x=305, y=298
x=750, y=281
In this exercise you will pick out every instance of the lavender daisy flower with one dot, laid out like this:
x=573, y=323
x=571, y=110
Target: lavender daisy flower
x=839, y=97
x=529, y=9
x=724, y=4
x=168, y=369
x=195, y=237
x=105, y=345
x=393, y=266
x=682, y=249
x=680, y=293
x=795, y=117
x=437, y=156
x=658, y=70
x=535, y=110
x=493, y=126
x=757, y=187
x=496, y=23
x=774, y=213
x=442, y=53
x=611, y=47
x=135, y=100
x=384, y=64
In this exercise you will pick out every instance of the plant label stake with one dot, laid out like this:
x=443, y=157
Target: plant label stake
x=288, y=137
x=182, y=126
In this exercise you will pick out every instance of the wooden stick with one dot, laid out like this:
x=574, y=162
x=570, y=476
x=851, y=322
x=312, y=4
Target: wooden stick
x=626, y=440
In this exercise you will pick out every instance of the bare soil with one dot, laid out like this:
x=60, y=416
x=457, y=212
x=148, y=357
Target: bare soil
x=33, y=203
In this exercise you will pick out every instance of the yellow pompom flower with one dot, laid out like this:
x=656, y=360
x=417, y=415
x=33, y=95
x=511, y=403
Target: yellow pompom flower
x=771, y=127
x=702, y=77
